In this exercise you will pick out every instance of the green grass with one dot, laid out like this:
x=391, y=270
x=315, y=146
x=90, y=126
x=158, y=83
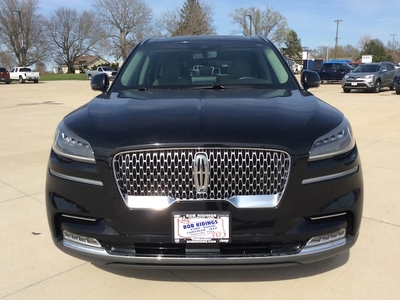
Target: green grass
x=53, y=77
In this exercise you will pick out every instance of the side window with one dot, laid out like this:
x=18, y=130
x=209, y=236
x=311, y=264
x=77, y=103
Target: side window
x=328, y=66
x=390, y=67
x=384, y=68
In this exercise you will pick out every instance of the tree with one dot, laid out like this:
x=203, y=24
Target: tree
x=375, y=48
x=22, y=31
x=269, y=23
x=195, y=18
x=71, y=35
x=125, y=23
x=292, y=47
x=167, y=24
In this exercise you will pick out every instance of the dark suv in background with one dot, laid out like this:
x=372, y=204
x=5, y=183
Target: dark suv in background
x=4, y=75
x=333, y=71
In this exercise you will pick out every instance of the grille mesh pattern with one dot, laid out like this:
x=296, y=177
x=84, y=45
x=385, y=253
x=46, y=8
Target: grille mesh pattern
x=169, y=172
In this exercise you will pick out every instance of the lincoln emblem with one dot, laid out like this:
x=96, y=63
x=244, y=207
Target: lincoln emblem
x=201, y=174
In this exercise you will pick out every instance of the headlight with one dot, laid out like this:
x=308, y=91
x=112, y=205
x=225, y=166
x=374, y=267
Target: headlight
x=369, y=77
x=69, y=145
x=337, y=141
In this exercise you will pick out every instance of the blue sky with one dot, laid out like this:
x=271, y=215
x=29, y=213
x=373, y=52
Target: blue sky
x=312, y=20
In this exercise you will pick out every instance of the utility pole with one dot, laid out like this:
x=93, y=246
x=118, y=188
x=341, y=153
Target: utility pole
x=337, y=32
x=393, y=35
x=251, y=22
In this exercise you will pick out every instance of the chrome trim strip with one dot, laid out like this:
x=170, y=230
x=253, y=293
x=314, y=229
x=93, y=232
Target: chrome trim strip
x=327, y=216
x=259, y=201
x=163, y=202
x=307, y=254
x=79, y=218
x=323, y=247
x=331, y=176
x=149, y=202
x=77, y=179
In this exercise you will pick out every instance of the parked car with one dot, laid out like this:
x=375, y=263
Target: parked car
x=334, y=71
x=397, y=85
x=371, y=77
x=23, y=74
x=102, y=69
x=4, y=75
x=171, y=169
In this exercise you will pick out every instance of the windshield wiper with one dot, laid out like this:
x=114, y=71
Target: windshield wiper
x=207, y=87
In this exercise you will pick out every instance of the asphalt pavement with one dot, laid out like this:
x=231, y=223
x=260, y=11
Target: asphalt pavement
x=31, y=267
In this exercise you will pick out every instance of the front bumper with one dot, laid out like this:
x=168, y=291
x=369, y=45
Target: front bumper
x=318, y=217
x=358, y=84
x=334, y=245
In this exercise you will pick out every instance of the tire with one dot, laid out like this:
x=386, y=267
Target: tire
x=377, y=87
x=89, y=77
x=21, y=80
x=36, y=81
x=398, y=91
x=392, y=87
x=346, y=90
x=8, y=82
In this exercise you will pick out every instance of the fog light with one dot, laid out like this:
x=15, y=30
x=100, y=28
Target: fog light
x=327, y=238
x=80, y=239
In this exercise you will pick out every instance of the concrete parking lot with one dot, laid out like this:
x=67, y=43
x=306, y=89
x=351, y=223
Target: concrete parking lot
x=33, y=268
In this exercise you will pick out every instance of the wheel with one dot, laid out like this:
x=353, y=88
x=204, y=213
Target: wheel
x=89, y=77
x=377, y=87
x=36, y=81
x=398, y=91
x=8, y=81
x=21, y=80
x=346, y=90
x=392, y=87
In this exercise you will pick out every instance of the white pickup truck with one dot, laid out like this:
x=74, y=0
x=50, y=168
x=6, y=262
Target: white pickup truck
x=102, y=69
x=23, y=74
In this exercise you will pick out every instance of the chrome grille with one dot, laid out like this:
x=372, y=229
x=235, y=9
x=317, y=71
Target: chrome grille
x=233, y=172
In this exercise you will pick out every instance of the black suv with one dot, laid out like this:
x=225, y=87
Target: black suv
x=333, y=71
x=173, y=168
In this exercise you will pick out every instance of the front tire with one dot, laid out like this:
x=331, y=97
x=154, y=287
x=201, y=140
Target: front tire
x=346, y=90
x=377, y=87
x=21, y=80
x=392, y=87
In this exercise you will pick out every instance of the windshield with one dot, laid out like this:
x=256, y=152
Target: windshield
x=367, y=69
x=179, y=65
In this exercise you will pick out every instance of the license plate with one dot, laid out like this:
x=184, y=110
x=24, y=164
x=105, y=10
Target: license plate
x=201, y=227
x=354, y=83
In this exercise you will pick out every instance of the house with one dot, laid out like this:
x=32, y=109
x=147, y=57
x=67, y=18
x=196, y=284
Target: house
x=84, y=62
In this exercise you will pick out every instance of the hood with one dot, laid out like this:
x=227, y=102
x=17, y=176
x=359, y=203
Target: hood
x=287, y=120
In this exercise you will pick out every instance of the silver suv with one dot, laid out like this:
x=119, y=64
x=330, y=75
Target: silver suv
x=371, y=77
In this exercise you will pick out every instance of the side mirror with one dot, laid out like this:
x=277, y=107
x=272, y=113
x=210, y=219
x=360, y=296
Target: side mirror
x=100, y=82
x=310, y=79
